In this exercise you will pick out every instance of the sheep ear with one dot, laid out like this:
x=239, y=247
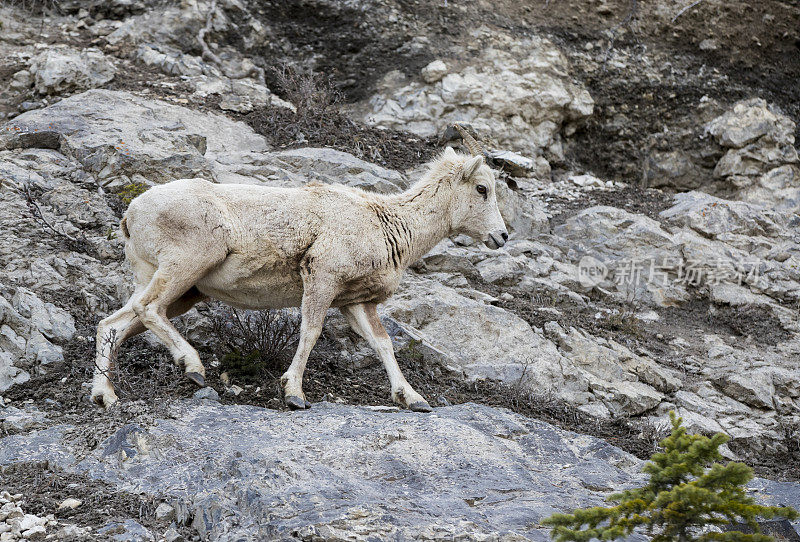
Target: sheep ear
x=450, y=153
x=471, y=166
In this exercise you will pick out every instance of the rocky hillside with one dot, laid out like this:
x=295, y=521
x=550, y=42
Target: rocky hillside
x=647, y=170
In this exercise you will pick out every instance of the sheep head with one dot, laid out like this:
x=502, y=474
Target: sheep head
x=474, y=204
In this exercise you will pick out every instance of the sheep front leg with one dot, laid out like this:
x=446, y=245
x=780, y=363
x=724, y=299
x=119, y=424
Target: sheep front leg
x=363, y=318
x=316, y=302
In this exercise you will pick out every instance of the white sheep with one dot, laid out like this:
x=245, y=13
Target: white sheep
x=316, y=247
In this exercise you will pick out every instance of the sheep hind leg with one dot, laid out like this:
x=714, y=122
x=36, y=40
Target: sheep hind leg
x=117, y=328
x=363, y=318
x=165, y=288
x=111, y=331
x=180, y=306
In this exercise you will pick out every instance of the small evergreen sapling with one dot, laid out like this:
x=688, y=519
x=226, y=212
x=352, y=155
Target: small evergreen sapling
x=682, y=496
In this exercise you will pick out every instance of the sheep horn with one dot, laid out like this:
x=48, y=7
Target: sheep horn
x=474, y=147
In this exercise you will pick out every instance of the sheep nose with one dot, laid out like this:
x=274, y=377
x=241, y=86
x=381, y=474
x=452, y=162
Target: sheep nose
x=505, y=236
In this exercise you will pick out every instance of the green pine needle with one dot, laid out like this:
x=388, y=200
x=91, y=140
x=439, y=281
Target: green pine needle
x=688, y=491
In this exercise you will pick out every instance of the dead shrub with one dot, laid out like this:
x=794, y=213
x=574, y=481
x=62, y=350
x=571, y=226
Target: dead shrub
x=252, y=345
x=623, y=321
x=34, y=7
x=311, y=93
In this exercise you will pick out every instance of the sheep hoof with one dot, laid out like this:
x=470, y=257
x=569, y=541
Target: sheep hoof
x=197, y=378
x=297, y=403
x=104, y=400
x=420, y=406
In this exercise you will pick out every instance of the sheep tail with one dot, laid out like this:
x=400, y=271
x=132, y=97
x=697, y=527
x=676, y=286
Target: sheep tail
x=124, y=227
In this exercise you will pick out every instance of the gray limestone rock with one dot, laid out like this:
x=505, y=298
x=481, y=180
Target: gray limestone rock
x=59, y=69
x=247, y=473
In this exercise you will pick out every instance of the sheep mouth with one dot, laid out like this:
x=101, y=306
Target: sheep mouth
x=493, y=242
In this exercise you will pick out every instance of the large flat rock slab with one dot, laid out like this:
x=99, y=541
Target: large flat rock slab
x=247, y=473
x=115, y=133
x=341, y=472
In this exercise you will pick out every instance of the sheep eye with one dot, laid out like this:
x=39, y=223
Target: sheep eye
x=481, y=189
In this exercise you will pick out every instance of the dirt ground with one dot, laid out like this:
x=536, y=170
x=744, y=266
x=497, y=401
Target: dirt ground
x=45, y=487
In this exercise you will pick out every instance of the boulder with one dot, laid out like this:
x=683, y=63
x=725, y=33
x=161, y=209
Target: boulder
x=128, y=530
x=434, y=71
x=51, y=321
x=483, y=341
x=640, y=257
x=61, y=69
x=743, y=389
x=503, y=269
x=9, y=374
x=332, y=166
x=27, y=327
x=760, y=164
x=673, y=169
x=711, y=216
x=752, y=388
x=21, y=419
x=779, y=187
x=21, y=81
x=115, y=134
x=750, y=161
x=448, y=257
x=521, y=98
x=14, y=331
x=624, y=383
x=174, y=25
x=172, y=61
x=517, y=165
x=469, y=472
x=748, y=121
x=240, y=94
x=615, y=233
x=524, y=215
x=586, y=181
x=22, y=343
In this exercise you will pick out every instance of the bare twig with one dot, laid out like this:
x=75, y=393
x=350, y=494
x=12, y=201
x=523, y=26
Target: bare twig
x=208, y=54
x=684, y=10
x=30, y=199
x=37, y=7
x=624, y=22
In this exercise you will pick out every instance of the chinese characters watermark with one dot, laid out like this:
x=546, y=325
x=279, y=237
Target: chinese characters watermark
x=687, y=272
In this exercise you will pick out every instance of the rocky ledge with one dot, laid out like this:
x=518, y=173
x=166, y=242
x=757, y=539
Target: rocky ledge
x=338, y=472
